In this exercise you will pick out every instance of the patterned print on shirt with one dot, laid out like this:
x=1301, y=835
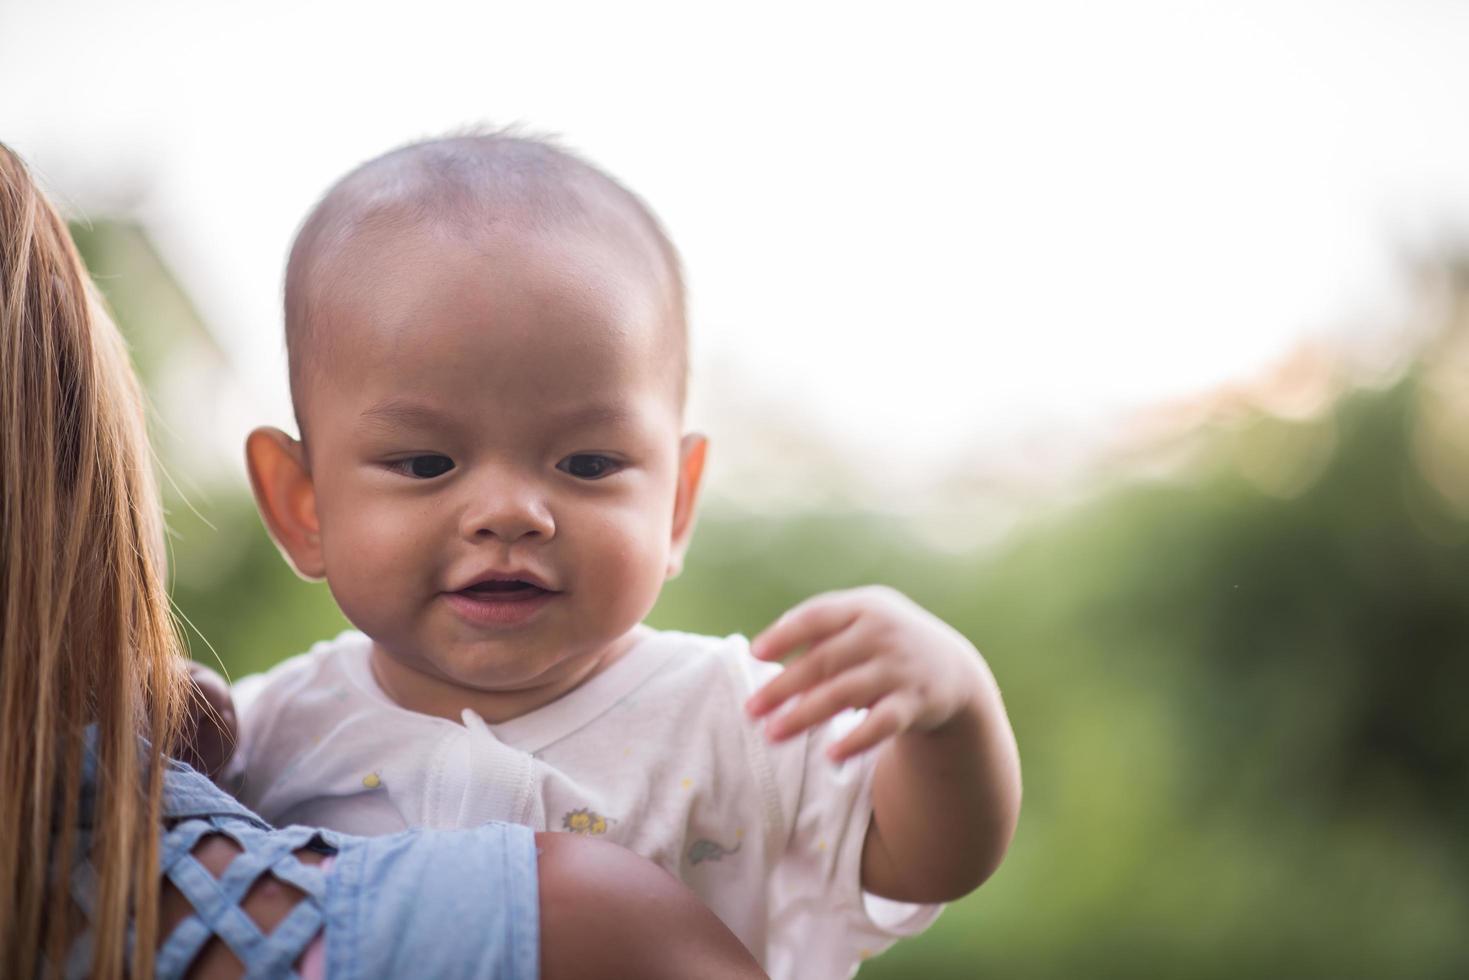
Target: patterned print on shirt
x=705, y=849
x=585, y=821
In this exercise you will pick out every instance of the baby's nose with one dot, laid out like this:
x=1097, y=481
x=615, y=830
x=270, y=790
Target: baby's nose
x=508, y=512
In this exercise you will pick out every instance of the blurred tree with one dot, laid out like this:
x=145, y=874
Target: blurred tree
x=231, y=591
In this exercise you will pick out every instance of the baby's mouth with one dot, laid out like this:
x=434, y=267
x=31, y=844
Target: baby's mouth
x=500, y=601
x=508, y=590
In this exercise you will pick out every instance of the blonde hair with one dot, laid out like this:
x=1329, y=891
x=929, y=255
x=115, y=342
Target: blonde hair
x=86, y=635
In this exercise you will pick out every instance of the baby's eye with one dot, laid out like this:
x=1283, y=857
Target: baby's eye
x=424, y=467
x=589, y=466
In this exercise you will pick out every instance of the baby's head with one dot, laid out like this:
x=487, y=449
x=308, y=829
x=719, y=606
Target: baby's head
x=488, y=360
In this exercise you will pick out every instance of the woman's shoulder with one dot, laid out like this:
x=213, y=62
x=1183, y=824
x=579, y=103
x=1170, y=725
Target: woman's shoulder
x=189, y=794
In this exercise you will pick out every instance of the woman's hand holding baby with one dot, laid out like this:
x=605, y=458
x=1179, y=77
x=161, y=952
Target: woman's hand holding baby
x=871, y=648
x=946, y=790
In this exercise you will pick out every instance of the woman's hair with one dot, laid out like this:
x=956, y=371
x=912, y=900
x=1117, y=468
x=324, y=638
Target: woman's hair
x=86, y=635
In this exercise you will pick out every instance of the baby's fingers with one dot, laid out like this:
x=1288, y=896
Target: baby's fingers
x=824, y=660
x=889, y=717
x=854, y=689
x=805, y=624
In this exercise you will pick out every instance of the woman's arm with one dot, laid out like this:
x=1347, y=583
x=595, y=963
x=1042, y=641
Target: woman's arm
x=605, y=913
x=267, y=903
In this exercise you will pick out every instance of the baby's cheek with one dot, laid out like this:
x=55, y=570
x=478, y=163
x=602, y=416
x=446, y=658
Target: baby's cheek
x=638, y=566
x=373, y=565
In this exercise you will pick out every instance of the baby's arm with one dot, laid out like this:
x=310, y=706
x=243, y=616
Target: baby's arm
x=946, y=793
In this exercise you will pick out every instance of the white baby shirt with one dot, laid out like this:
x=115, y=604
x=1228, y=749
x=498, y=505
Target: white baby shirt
x=654, y=753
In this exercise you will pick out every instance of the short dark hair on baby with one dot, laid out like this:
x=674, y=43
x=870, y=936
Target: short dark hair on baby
x=469, y=180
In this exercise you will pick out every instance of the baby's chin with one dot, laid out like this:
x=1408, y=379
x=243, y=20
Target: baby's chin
x=497, y=679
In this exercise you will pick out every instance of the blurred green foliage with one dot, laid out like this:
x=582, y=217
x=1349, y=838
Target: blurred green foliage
x=1239, y=712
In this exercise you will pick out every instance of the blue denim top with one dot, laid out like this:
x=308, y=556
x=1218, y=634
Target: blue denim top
x=422, y=903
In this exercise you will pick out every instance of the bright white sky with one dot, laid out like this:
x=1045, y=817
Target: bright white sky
x=917, y=227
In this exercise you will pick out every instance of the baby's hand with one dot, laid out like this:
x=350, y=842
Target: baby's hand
x=209, y=731
x=869, y=648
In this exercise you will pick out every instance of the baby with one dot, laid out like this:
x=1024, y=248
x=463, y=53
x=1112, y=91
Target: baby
x=488, y=356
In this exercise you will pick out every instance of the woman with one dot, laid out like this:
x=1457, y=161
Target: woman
x=93, y=698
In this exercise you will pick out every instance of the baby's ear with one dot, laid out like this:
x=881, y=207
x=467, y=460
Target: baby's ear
x=286, y=498
x=692, y=451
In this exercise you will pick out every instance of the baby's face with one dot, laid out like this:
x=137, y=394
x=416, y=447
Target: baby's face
x=494, y=446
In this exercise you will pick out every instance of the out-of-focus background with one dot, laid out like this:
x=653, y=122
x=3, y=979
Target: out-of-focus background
x=1132, y=339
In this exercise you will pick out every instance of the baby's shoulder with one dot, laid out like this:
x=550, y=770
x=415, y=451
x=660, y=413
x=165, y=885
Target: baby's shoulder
x=326, y=669
x=295, y=704
x=694, y=683
x=699, y=660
